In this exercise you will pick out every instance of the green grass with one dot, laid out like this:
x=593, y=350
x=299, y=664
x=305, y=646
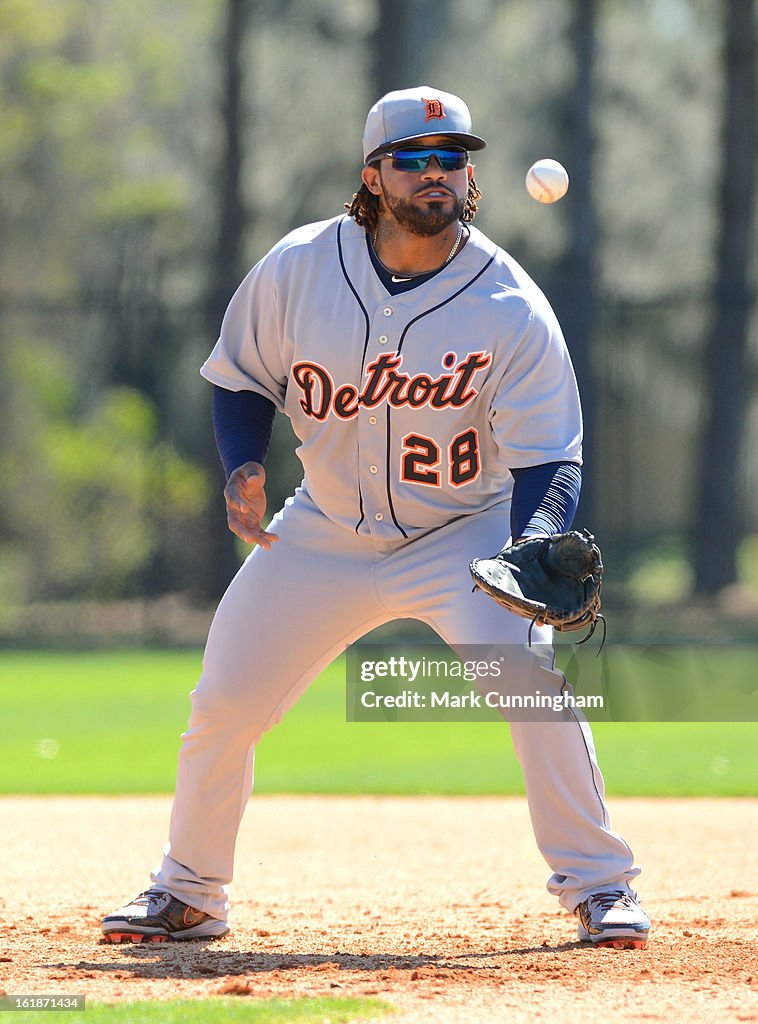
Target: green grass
x=110, y=722
x=233, y=1011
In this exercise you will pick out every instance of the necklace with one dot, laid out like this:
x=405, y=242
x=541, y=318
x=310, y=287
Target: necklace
x=410, y=277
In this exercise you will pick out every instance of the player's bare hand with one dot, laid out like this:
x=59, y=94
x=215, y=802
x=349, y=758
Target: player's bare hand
x=246, y=504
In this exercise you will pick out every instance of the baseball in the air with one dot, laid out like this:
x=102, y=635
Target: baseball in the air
x=547, y=181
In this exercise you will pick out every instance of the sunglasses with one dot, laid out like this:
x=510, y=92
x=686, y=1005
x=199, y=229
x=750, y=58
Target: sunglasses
x=449, y=158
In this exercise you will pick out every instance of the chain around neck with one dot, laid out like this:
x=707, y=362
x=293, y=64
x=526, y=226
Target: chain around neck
x=409, y=277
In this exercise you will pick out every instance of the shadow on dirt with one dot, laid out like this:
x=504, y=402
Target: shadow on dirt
x=204, y=959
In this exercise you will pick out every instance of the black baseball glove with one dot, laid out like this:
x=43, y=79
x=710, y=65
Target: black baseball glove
x=552, y=580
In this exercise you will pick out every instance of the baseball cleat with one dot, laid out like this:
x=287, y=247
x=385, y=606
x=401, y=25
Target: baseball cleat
x=157, y=916
x=614, y=919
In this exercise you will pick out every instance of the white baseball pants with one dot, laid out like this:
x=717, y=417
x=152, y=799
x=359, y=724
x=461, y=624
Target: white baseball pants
x=287, y=614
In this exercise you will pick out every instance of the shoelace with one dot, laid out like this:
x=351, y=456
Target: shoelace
x=144, y=898
x=614, y=898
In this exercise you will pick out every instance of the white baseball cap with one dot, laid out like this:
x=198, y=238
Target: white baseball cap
x=413, y=113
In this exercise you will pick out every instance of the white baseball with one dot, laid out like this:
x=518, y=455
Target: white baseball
x=547, y=181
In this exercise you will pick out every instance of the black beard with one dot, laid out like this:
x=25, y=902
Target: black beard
x=427, y=220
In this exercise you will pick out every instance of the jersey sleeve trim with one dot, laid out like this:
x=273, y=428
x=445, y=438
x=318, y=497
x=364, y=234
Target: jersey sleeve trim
x=232, y=384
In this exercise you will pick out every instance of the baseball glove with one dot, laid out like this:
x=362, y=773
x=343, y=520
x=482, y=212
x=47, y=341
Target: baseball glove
x=552, y=580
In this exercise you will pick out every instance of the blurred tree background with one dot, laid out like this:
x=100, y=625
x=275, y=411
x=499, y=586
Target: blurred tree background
x=151, y=153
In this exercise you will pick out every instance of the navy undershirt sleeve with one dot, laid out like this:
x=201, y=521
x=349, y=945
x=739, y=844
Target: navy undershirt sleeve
x=545, y=498
x=242, y=424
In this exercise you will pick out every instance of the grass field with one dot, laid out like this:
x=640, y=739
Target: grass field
x=230, y=1011
x=109, y=722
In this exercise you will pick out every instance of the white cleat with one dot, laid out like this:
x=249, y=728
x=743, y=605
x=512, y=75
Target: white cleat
x=613, y=918
x=156, y=916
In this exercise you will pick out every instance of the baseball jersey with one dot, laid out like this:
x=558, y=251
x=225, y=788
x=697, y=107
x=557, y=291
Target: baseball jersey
x=410, y=409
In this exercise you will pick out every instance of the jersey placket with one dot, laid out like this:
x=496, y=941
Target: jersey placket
x=374, y=444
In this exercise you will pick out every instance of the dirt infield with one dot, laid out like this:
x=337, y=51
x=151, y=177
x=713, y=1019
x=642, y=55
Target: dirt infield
x=436, y=905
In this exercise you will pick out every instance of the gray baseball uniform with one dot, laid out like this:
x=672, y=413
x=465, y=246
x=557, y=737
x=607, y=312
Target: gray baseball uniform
x=410, y=410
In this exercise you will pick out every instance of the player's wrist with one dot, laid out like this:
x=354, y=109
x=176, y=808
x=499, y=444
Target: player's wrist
x=247, y=469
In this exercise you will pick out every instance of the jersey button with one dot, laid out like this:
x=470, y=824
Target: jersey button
x=387, y=311
x=372, y=420
x=378, y=517
x=373, y=469
x=383, y=339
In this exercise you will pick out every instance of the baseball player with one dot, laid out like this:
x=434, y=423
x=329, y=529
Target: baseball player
x=429, y=385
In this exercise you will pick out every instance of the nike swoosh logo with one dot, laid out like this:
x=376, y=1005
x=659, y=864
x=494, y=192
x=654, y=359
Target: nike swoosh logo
x=398, y=280
x=192, y=917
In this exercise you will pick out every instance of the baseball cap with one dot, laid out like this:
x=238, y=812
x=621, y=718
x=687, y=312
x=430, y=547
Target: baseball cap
x=409, y=114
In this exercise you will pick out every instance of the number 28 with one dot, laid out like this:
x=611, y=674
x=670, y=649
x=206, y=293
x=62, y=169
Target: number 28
x=422, y=459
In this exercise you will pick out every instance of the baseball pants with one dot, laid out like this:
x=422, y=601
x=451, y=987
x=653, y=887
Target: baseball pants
x=289, y=612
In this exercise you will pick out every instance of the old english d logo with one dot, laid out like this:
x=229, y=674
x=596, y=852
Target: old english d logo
x=434, y=109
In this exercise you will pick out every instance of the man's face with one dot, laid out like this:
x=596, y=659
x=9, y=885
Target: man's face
x=423, y=202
